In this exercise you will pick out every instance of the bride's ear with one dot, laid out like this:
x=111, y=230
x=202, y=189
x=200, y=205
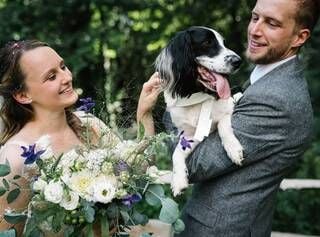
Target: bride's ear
x=22, y=97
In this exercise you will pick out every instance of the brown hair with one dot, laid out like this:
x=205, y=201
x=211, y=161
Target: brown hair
x=307, y=13
x=14, y=114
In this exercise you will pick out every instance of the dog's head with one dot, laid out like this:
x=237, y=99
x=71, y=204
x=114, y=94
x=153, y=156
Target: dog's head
x=196, y=60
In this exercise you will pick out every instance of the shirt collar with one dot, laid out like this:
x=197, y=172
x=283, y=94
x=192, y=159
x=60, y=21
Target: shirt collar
x=260, y=70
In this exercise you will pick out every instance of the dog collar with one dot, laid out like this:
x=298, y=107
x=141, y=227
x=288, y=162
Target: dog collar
x=194, y=99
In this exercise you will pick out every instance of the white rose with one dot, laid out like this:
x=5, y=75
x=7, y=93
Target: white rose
x=53, y=192
x=70, y=202
x=39, y=185
x=104, y=190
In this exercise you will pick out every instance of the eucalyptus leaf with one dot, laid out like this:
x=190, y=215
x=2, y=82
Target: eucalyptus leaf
x=89, y=213
x=12, y=195
x=4, y=170
x=178, y=226
x=57, y=221
x=6, y=184
x=139, y=218
x=2, y=191
x=154, y=194
x=8, y=233
x=169, y=212
x=14, y=218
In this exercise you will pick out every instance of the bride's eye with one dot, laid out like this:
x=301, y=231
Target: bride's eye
x=63, y=67
x=52, y=77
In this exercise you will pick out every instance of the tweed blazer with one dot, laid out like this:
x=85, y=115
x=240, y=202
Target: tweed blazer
x=273, y=122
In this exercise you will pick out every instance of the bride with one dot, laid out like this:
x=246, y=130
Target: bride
x=37, y=93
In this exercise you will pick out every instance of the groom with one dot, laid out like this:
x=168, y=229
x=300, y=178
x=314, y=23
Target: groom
x=273, y=121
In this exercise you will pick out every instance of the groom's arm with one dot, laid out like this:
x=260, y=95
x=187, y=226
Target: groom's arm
x=262, y=129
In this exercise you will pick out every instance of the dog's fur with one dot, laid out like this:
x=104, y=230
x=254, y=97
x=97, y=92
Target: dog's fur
x=181, y=66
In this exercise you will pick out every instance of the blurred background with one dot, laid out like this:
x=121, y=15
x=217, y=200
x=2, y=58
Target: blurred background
x=110, y=46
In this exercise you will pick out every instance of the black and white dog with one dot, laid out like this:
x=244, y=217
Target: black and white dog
x=193, y=68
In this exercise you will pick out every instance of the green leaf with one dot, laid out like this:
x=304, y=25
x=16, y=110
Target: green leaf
x=89, y=213
x=17, y=177
x=68, y=231
x=6, y=184
x=8, y=233
x=12, y=195
x=2, y=191
x=125, y=216
x=145, y=235
x=14, y=218
x=169, y=212
x=178, y=226
x=141, y=131
x=139, y=218
x=154, y=194
x=4, y=170
x=57, y=221
x=112, y=211
x=89, y=231
x=104, y=226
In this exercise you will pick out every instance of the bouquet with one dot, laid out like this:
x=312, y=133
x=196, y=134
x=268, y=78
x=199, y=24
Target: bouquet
x=92, y=189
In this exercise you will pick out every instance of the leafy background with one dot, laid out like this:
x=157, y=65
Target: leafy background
x=111, y=45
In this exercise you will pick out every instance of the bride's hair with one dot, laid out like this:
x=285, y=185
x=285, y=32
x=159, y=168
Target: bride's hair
x=14, y=114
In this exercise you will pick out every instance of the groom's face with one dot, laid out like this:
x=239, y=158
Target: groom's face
x=272, y=31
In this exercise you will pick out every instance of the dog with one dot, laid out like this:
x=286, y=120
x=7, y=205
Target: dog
x=193, y=68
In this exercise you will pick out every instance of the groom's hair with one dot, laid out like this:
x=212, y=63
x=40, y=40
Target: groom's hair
x=307, y=13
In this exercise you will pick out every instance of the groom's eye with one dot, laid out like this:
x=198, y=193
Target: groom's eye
x=51, y=77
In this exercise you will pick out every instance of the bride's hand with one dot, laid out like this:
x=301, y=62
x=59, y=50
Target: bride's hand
x=148, y=96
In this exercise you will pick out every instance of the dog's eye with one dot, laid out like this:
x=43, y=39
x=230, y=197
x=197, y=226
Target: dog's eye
x=206, y=43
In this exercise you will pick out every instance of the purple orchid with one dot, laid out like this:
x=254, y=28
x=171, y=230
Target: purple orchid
x=86, y=105
x=131, y=199
x=184, y=142
x=30, y=154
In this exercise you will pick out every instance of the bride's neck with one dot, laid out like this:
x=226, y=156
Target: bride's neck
x=49, y=123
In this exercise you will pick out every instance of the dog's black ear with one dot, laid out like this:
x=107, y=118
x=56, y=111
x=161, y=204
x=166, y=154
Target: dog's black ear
x=184, y=67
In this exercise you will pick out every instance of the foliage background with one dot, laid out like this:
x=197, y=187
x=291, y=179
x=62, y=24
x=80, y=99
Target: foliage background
x=111, y=45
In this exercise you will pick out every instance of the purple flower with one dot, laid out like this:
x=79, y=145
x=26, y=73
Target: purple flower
x=120, y=166
x=184, y=142
x=86, y=105
x=131, y=199
x=30, y=155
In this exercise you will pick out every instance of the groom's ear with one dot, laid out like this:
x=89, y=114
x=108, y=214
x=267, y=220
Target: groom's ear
x=22, y=97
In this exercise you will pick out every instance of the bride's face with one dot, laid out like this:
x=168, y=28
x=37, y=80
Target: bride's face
x=48, y=81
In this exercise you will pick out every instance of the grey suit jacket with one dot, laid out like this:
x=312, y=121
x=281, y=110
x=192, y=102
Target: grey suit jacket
x=273, y=121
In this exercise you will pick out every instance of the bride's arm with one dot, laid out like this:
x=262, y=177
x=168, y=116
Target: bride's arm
x=12, y=153
x=148, y=98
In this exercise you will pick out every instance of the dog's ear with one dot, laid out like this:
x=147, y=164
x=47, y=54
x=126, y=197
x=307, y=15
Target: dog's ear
x=183, y=64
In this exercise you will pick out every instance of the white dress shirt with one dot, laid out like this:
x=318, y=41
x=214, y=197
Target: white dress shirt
x=260, y=70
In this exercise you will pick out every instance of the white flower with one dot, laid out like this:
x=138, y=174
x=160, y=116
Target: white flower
x=80, y=183
x=39, y=185
x=70, y=201
x=53, y=192
x=104, y=189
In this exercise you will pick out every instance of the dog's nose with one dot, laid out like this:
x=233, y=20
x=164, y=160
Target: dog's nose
x=234, y=60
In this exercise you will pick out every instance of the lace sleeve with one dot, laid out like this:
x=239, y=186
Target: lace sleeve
x=102, y=131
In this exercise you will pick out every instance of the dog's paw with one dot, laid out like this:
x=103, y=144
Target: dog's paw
x=178, y=183
x=234, y=151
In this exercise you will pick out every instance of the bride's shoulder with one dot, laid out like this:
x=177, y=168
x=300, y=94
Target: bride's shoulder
x=98, y=126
